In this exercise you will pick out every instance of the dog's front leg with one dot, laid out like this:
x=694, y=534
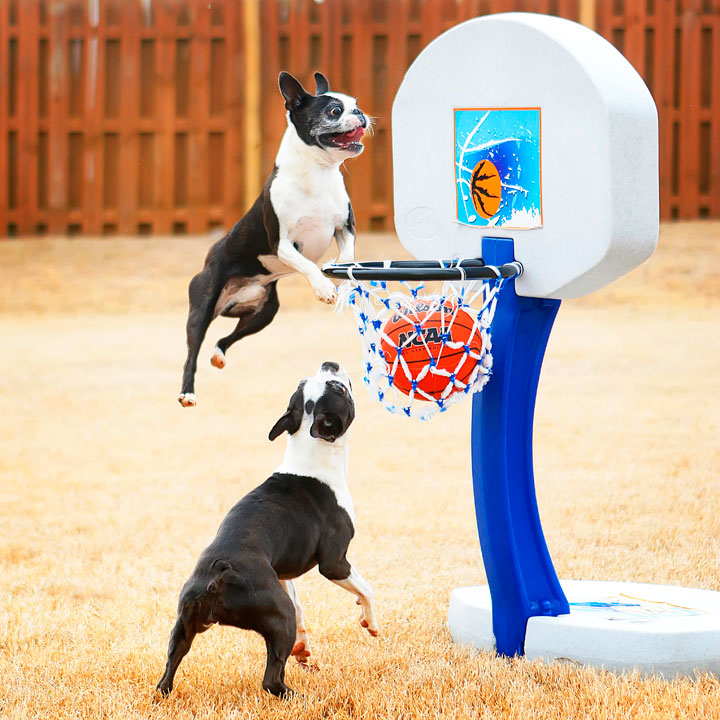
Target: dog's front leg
x=345, y=239
x=356, y=584
x=323, y=287
x=301, y=649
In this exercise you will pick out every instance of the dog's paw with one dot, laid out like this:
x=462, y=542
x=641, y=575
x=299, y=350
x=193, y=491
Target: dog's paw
x=301, y=652
x=325, y=291
x=218, y=359
x=279, y=689
x=161, y=691
x=187, y=399
x=371, y=627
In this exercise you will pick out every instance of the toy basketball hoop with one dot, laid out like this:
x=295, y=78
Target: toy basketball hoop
x=423, y=351
x=550, y=161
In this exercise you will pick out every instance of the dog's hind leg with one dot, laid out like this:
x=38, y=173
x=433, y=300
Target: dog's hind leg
x=278, y=629
x=255, y=600
x=248, y=324
x=181, y=639
x=203, y=293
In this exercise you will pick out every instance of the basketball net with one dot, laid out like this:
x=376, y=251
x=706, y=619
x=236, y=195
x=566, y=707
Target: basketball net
x=373, y=304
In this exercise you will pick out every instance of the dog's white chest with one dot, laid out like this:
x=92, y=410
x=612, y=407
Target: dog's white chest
x=309, y=210
x=318, y=194
x=307, y=195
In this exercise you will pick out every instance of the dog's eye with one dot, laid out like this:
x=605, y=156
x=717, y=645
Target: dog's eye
x=336, y=111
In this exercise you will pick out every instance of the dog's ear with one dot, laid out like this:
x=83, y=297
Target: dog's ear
x=291, y=420
x=293, y=92
x=321, y=84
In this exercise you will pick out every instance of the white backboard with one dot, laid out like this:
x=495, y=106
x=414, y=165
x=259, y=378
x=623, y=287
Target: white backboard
x=544, y=117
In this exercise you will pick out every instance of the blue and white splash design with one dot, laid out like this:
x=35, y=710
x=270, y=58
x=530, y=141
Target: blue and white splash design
x=510, y=140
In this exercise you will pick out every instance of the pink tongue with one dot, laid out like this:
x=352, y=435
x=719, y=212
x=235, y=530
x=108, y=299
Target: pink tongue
x=352, y=136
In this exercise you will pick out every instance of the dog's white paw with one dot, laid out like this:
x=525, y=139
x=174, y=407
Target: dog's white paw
x=218, y=359
x=301, y=651
x=367, y=618
x=370, y=625
x=187, y=399
x=325, y=290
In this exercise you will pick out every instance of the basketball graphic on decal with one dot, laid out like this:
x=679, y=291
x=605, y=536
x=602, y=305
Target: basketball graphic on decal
x=486, y=189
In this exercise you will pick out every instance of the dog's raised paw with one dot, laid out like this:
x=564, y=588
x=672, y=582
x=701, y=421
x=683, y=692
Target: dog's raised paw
x=374, y=630
x=326, y=291
x=218, y=359
x=187, y=399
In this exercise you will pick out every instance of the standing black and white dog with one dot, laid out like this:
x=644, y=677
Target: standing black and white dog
x=302, y=206
x=301, y=516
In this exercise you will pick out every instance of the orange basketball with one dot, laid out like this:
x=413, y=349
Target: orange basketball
x=430, y=330
x=486, y=189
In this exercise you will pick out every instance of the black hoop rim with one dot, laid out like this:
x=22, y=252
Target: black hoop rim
x=467, y=269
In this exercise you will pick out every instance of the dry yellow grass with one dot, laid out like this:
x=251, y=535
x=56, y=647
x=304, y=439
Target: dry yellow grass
x=109, y=490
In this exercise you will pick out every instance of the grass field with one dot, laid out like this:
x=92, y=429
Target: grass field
x=109, y=490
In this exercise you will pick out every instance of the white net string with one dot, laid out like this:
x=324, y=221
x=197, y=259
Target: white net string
x=466, y=368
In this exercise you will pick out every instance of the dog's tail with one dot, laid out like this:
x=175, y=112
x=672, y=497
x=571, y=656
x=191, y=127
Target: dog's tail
x=222, y=569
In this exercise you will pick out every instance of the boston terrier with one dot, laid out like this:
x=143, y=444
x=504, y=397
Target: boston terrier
x=302, y=206
x=301, y=516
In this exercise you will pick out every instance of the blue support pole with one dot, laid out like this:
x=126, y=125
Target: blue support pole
x=520, y=573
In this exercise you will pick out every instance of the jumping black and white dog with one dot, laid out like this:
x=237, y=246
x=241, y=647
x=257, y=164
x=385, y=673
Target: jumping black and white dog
x=302, y=206
x=301, y=516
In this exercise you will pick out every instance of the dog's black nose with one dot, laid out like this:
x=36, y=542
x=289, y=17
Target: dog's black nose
x=360, y=114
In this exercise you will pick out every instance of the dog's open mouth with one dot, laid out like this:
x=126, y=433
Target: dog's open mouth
x=326, y=427
x=345, y=141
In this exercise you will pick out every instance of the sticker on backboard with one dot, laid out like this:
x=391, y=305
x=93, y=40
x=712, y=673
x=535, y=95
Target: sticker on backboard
x=498, y=167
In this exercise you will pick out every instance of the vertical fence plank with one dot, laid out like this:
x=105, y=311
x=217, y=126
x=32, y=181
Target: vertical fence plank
x=275, y=53
x=714, y=24
x=634, y=31
x=663, y=79
x=165, y=118
x=602, y=19
x=4, y=119
x=397, y=57
x=235, y=185
x=359, y=169
x=92, y=221
x=253, y=96
x=129, y=114
x=689, y=108
x=199, y=96
x=27, y=116
x=58, y=119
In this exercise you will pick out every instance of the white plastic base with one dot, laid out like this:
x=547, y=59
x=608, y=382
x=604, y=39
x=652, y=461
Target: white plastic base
x=656, y=629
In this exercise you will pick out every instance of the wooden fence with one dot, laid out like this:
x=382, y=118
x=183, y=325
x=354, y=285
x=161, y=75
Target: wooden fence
x=163, y=116
x=675, y=46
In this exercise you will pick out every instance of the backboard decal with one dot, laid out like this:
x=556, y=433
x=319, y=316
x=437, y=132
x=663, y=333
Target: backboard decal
x=498, y=167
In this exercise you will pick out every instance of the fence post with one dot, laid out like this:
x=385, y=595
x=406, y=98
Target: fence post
x=253, y=139
x=586, y=14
